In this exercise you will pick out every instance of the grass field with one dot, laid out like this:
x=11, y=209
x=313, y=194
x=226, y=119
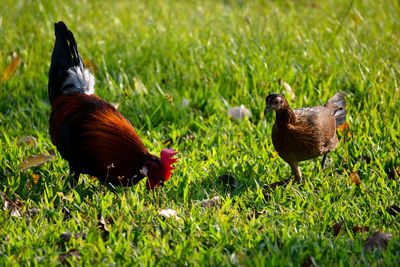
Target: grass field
x=175, y=68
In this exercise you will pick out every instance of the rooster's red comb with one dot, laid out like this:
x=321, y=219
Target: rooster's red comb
x=167, y=160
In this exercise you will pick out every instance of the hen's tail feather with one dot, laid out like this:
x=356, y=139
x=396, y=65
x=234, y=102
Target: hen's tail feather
x=338, y=105
x=67, y=73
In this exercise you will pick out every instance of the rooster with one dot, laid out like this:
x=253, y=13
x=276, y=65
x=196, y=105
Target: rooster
x=89, y=132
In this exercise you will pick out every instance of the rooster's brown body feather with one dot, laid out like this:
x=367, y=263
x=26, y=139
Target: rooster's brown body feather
x=96, y=139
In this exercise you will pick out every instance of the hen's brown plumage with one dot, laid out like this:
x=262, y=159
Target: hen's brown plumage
x=305, y=133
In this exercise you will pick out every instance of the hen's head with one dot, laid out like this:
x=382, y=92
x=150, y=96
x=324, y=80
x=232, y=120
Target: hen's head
x=275, y=102
x=159, y=170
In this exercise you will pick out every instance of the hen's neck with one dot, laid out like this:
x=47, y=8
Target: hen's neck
x=285, y=116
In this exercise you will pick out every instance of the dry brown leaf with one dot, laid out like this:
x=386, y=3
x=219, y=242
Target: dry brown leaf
x=378, y=240
x=355, y=179
x=170, y=98
x=36, y=160
x=344, y=127
x=337, y=228
x=11, y=68
x=35, y=178
x=210, y=203
x=13, y=206
x=89, y=63
x=27, y=140
x=15, y=212
x=7, y=204
x=63, y=258
x=360, y=229
x=103, y=227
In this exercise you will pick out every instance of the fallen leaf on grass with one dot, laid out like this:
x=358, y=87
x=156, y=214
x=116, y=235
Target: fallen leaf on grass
x=11, y=205
x=344, y=127
x=229, y=180
x=237, y=113
x=289, y=91
x=139, y=86
x=169, y=98
x=89, y=63
x=27, y=140
x=210, y=203
x=15, y=212
x=393, y=210
x=378, y=240
x=63, y=258
x=11, y=68
x=35, y=178
x=360, y=229
x=7, y=204
x=103, y=227
x=355, y=179
x=169, y=213
x=337, y=228
x=36, y=160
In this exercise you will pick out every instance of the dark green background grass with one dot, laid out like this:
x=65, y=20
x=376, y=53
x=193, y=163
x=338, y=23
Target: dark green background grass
x=213, y=55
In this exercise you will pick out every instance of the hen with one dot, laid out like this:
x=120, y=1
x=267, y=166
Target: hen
x=305, y=133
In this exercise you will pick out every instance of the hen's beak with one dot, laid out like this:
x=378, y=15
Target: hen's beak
x=268, y=109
